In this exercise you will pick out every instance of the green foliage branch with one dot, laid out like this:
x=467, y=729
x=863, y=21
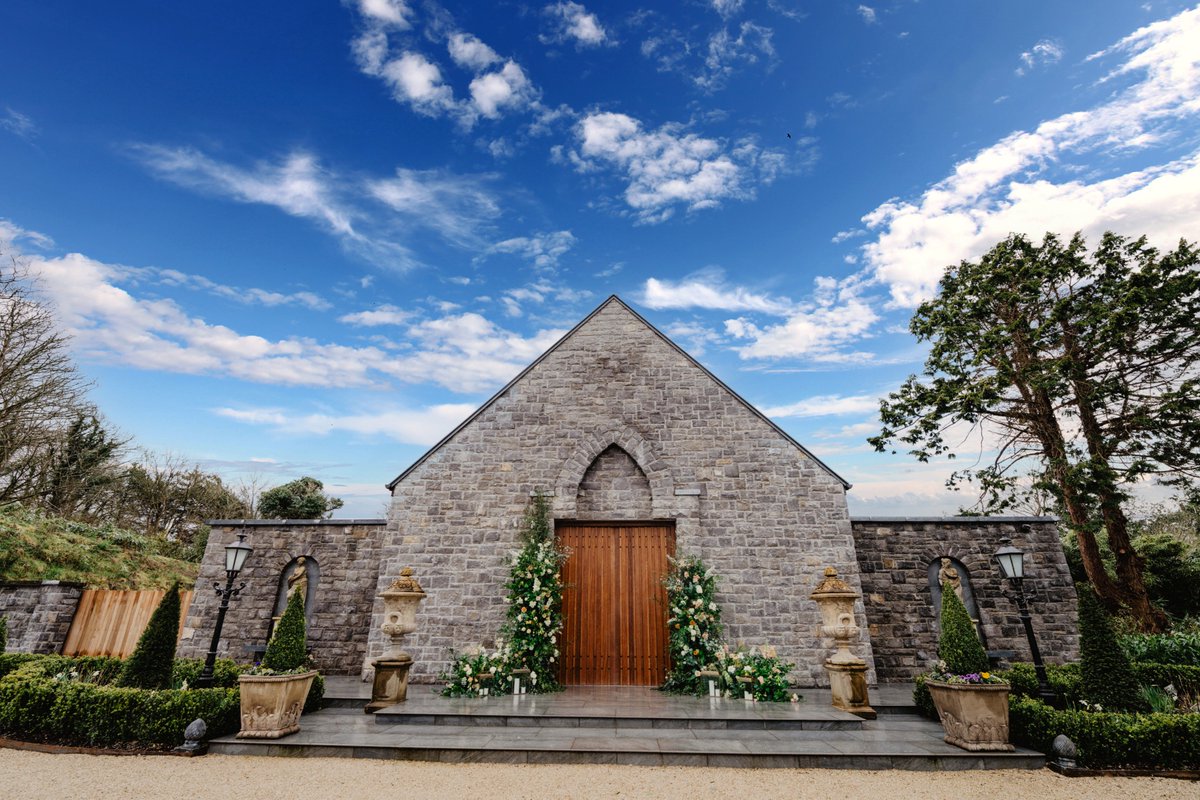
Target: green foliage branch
x=303, y=498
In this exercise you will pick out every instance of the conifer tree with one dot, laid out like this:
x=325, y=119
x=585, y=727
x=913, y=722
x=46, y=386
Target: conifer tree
x=1108, y=679
x=3, y=633
x=149, y=667
x=287, y=650
x=958, y=644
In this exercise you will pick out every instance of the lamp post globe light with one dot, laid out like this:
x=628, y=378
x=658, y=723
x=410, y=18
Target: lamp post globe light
x=1012, y=567
x=236, y=554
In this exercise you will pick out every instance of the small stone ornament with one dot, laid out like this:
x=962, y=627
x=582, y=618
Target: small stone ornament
x=193, y=736
x=1064, y=752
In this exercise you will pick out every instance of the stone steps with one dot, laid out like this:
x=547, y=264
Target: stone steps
x=735, y=738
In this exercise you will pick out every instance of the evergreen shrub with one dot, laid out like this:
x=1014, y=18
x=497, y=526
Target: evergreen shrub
x=1108, y=678
x=958, y=642
x=3, y=633
x=149, y=666
x=287, y=651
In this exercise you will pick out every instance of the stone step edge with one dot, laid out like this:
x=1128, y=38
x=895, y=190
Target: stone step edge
x=624, y=723
x=531, y=755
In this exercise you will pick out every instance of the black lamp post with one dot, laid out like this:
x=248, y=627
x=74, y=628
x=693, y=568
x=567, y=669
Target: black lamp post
x=236, y=554
x=1012, y=566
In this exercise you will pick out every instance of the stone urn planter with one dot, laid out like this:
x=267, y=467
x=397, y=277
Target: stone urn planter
x=974, y=716
x=272, y=704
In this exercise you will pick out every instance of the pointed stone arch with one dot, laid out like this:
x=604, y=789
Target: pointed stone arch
x=656, y=470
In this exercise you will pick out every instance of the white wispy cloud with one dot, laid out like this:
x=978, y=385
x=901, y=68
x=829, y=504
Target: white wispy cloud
x=826, y=405
x=820, y=333
x=469, y=52
x=868, y=14
x=417, y=80
x=572, y=22
x=420, y=426
x=458, y=208
x=387, y=13
x=249, y=296
x=1046, y=51
x=12, y=236
x=543, y=250
x=19, y=124
x=1007, y=187
x=708, y=290
x=727, y=52
x=537, y=293
x=109, y=323
x=669, y=167
x=380, y=315
x=727, y=8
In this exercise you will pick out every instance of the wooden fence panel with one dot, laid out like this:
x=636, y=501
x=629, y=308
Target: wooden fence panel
x=109, y=622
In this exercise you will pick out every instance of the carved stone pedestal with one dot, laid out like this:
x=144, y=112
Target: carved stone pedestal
x=391, y=682
x=848, y=683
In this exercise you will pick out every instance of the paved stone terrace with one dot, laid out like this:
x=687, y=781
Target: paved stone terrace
x=609, y=725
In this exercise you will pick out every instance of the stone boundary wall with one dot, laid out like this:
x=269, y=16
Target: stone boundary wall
x=346, y=552
x=39, y=614
x=894, y=556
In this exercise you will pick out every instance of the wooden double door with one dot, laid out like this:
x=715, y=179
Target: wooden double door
x=614, y=603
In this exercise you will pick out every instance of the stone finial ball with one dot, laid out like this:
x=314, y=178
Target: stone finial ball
x=195, y=731
x=1064, y=747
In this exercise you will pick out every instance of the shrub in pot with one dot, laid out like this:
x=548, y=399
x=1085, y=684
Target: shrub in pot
x=971, y=702
x=273, y=694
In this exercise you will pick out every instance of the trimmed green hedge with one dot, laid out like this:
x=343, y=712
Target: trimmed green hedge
x=36, y=705
x=66, y=700
x=1157, y=741
x=1067, y=680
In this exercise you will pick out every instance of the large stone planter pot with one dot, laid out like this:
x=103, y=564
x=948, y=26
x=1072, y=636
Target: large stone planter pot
x=272, y=704
x=974, y=716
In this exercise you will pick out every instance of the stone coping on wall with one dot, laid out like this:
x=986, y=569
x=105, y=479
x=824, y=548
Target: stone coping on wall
x=958, y=520
x=275, y=523
x=23, y=584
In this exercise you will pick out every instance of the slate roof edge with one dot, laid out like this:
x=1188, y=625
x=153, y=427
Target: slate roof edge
x=267, y=523
x=954, y=518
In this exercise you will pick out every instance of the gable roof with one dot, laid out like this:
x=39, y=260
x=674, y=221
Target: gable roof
x=618, y=301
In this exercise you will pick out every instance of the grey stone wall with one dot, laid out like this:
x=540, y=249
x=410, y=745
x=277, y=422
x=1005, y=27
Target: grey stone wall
x=894, y=557
x=39, y=614
x=760, y=510
x=346, y=553
x=614, y=487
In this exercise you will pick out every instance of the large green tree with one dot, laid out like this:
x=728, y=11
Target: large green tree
x=303, y=498
x=1079, y=371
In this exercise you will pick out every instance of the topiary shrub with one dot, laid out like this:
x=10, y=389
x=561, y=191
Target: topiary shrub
x=287, y=650
x=3, y=633
x=958, y=643
x=149, y=667
x=1108, y=679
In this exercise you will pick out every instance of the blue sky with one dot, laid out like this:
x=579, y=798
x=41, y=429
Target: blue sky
x=309, y=238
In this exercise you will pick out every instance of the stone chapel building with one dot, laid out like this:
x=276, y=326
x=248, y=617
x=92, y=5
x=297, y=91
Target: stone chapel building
x=643, y=454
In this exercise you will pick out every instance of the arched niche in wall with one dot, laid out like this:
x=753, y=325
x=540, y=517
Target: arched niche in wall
x=947, y=569
x=614, y=487
x=301, y=574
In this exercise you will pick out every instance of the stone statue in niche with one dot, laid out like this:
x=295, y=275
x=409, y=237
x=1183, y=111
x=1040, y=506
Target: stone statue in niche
x=950, y=571
x=298, y=576
x=948, y=574
x=298, y=580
